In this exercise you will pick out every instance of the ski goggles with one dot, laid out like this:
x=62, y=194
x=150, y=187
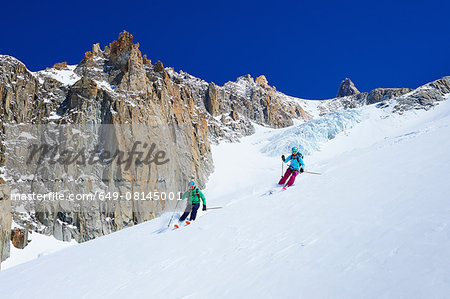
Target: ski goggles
x=294, y=152
x=191, y=187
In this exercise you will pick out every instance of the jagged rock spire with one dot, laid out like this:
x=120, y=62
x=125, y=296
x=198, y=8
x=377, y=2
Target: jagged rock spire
x=262, y=80
x=123, y=45
x=347, y=88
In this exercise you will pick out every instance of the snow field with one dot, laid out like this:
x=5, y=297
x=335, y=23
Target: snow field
x=374, y=224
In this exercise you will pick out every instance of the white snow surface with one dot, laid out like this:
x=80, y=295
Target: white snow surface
x=375, y=224
x=39, y=246
x=66, y=75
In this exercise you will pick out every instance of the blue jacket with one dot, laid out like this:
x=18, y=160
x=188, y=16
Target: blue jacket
x=295, y=163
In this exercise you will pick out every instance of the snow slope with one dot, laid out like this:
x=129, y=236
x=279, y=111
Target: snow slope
x=39, y=246
x=66, y=75
x=374, y=224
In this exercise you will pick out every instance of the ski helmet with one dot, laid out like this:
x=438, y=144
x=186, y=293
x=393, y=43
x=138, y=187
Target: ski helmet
x=295, y=149
x=191, y=185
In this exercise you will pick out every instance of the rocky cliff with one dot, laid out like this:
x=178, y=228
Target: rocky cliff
x=233, y=107
x=40, y=99
x=5, y=222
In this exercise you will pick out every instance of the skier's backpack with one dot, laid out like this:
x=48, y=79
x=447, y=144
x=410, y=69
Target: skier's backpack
x=197, y=193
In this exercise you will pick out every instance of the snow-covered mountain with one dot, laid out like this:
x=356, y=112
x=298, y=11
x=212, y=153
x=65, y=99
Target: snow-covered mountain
x=187, y=116
x=374, y=224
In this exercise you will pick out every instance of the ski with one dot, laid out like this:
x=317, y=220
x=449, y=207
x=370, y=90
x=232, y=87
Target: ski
x=285, y=187
x=186, y=223
x=272, y=191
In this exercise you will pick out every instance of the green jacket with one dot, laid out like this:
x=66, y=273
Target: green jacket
x=194, y=196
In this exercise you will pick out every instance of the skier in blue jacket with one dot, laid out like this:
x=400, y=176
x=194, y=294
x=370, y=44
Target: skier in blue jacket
x=297, y=165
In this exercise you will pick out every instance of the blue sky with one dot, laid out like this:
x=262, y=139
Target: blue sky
x=305, y=48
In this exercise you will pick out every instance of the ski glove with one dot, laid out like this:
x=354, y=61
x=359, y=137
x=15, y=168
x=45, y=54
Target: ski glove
x=283, y=158
x=204, y=208
x=301, y=170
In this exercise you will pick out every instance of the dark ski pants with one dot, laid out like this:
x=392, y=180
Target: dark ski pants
x=288, y=173
x=190, y=209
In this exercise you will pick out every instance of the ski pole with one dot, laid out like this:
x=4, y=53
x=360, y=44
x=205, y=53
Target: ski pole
x=310, y=172
x=213, y=208
x=282, y=169
x=170, y=222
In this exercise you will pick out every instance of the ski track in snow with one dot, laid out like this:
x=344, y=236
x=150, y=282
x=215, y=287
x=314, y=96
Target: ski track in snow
x=374, y=224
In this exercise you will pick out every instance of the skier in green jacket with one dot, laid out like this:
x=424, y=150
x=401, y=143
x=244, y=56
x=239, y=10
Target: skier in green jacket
x=193, y=195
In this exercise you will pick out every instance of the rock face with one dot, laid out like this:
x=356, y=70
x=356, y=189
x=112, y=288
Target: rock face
x=5, y=222
x=261, y=80
x=347, y=88
x=113, y=87
x=239, y=102
x=425, y=96
x=19, y=237
x=382, y=94
x=60, y=65
x=211, y=100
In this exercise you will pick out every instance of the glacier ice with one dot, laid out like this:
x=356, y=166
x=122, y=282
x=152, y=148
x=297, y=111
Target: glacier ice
x=310, y=136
